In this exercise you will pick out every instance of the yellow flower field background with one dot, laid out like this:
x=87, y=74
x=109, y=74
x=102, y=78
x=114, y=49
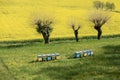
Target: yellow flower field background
x=17, y=18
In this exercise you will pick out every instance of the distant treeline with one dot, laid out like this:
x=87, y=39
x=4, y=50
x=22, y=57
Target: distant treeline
x=105, y=6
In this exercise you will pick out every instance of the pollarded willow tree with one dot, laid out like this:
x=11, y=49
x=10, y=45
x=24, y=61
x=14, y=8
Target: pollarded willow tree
x=75, y=25
x=44, y=27
x=99, y=18
x=75, y=31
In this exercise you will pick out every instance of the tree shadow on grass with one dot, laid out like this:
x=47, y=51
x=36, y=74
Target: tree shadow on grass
x=33, y=61
x=60, y=72
x=76, y=72
x=112, y=59
x=111, y=49
x=15, y=45
x=12, y=45
x=112, y=55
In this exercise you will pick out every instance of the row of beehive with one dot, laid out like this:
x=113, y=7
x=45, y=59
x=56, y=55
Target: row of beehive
x=48, y=57
x=84, y=53
x=56, y=56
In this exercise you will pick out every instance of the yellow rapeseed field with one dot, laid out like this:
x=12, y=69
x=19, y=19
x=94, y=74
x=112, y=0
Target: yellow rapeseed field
x=17, y=18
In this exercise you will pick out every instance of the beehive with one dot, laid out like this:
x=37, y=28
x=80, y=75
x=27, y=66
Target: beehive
x=48, y=57
x=57, y=56
x=43, y=57
x=77, y=54
x=39, y=58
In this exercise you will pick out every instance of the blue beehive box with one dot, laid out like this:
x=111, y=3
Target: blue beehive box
x=53, y=56
x=77, y=54
x=89, y=52
x=43, y=57
x=48, y=57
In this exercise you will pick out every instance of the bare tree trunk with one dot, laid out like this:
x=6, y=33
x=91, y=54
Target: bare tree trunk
x=99, y=33
x=76, y=35
x=99, y=30
x=46, y=38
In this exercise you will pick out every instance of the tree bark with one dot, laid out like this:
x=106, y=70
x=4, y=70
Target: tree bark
x=76, y=35
x=99, y=30
x=46, y=38
x=99, y=34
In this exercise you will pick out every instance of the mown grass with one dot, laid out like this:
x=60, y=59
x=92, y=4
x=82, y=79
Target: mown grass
x=18, y=61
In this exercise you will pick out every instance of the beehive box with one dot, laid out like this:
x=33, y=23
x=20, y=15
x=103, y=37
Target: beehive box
x=48, y=57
